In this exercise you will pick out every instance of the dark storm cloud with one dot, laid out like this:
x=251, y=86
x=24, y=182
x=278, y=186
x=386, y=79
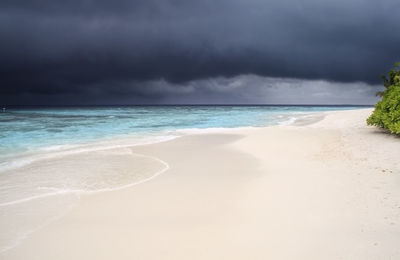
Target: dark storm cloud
x=92, y=51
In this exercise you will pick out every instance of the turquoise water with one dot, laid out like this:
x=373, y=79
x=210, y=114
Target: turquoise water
x=27, y=130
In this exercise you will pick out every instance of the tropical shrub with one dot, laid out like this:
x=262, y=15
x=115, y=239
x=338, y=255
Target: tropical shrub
x=387, y=111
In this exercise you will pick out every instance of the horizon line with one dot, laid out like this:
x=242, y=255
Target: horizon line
x=161, y=105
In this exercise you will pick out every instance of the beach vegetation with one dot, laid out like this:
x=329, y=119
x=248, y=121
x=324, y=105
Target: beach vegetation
x=387, y=111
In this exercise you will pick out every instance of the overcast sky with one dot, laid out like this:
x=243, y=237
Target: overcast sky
x=201, y=52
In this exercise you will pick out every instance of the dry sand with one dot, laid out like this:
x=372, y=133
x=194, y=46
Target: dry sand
x=325, y=190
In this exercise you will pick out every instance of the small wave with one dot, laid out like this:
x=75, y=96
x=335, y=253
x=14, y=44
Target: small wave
x=57, y=191
x=16, y=163
x=54, y=148
x=213, y=130
x=289, y=121
x=57, y=151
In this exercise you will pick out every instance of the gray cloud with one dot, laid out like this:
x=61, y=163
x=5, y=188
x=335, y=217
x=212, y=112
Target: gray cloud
x=82, y=49
x=243, y=89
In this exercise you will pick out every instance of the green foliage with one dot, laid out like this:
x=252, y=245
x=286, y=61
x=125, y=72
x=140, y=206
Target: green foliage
x=387, y=111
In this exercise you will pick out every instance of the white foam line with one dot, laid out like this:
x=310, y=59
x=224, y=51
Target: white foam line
x=14, y=202
x=290, y=121
x=77, y=150
x=29, y=232
x=214, y=130
x=166, y=167
x=62, y=192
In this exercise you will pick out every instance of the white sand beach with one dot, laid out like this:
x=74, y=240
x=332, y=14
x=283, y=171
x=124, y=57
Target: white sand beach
x=326, y=187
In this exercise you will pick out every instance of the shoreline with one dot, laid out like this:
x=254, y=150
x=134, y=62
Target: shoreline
x=234, y=176
x=119, y=141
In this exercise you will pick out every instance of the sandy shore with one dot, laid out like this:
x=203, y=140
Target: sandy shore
x=323, y=188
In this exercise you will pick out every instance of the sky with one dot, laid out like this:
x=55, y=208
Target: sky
x=121, y=52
